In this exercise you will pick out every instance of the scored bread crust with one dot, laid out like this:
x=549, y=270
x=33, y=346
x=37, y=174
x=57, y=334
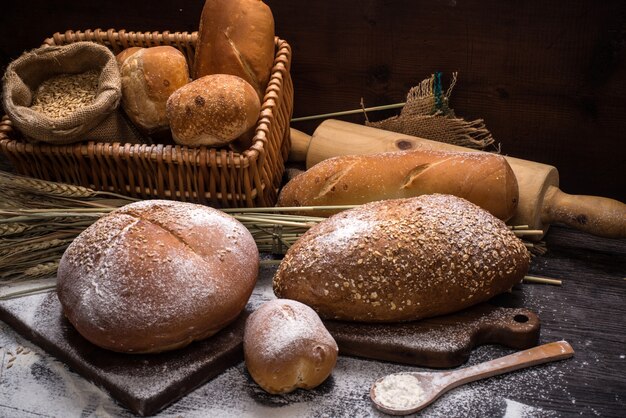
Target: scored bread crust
x=402, y=260
x=484, y=179
x=286, y=346
x=236, y=37
x=156, y=275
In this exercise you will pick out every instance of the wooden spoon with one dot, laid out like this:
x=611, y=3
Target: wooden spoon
x=407, y=393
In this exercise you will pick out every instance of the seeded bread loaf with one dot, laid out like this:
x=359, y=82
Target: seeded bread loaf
x=402, y=260
x=156, y=275
x=482, y=178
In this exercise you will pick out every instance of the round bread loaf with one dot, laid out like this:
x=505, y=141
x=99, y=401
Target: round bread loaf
x=122, y=56
x=156, y=275
x=149, y=77
x=287, y=347
x=402, y=260
x=213, y=110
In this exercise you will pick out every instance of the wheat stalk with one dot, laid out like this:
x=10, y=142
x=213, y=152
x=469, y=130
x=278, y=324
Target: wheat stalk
x=13, y=229
x=50, y=188
x=44, y=217
x=44, y=269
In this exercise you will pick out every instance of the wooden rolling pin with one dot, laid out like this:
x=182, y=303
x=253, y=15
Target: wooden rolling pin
x=541, y=202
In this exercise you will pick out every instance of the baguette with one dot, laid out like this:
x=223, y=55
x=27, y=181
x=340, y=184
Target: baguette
x=236, y=37
x=482, y=178
x=402, y=260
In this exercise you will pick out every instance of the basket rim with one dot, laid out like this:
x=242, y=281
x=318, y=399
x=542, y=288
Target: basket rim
x=110, y=38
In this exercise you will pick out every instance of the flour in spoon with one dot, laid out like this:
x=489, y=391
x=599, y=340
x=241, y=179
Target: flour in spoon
x=399, y=391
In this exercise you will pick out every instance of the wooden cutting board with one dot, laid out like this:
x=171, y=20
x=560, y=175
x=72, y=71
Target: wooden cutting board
x=147, y=383
x=141, y=382
x=445, y=341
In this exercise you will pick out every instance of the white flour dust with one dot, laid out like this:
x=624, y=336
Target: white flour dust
x=399, y=391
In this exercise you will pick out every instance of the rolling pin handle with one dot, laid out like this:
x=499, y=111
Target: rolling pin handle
x=299, y=145
x=596, y=215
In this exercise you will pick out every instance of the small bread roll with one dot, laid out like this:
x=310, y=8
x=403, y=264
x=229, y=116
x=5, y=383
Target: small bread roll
x=125, y=54
x=149, y=77
x=156, y=275
x=213, y=110
x=286, y=347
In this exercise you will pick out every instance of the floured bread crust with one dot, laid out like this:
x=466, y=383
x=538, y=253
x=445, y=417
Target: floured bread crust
x=213, y=110
x=286, y=347
x=402, y=260
x=156, y=275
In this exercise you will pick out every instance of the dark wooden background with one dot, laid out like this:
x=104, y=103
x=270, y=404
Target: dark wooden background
x=548, y=77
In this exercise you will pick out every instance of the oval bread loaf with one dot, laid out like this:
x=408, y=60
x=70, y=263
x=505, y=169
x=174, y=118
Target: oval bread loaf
x=156, y=275
x=149, y=77
x=402, y=260
x=484, y=179
x=213, y=110
x=236, y=37
x=287, y=347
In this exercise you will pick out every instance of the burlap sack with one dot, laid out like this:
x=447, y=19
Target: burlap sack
x=426, y=114
x=101, y=120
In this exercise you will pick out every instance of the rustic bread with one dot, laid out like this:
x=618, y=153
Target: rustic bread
x=156, y=275
x=236, y=37
x=149, y=77
x=122, y=56
x=213, y=110
x=482, y=178
x=287, y=347
x=402, y=260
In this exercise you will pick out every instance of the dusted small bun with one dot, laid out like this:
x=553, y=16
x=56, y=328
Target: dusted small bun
x=287, y=347
x=149, y=77
x=402, y=260
x=156, y=275
x=212, y=110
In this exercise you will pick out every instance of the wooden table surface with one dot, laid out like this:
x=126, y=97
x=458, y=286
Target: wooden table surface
x=588, y=311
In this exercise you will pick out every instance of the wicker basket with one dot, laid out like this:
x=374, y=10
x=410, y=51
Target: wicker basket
x=217, y=177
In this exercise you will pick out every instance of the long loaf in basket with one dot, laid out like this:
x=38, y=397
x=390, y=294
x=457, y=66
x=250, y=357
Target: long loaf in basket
x=217, y=177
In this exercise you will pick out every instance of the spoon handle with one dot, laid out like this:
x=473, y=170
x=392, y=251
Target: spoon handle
x=537, y=355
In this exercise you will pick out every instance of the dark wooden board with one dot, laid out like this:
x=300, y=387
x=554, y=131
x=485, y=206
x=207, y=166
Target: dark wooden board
x=445, y=341
x=147, y=383
x=143, y=383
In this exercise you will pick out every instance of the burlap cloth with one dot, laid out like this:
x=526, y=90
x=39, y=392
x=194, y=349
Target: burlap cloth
x=101, y=120
x=427, y=114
